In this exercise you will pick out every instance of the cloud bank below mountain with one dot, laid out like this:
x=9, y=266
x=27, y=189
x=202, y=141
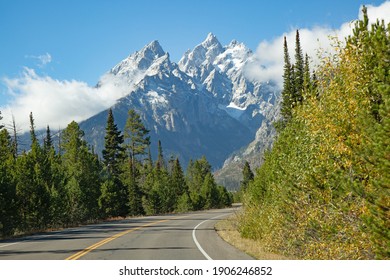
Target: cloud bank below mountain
x=57, y=103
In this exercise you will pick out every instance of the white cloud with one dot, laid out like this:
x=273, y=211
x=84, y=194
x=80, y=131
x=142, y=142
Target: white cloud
x=43, y=59
x=270, y=53
x=57, y=103
x=380, y=12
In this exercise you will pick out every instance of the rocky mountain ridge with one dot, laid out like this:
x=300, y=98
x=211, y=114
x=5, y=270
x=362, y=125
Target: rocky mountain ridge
x=202, y=105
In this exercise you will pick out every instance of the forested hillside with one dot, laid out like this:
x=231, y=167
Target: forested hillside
x=323, y=191
x=64, y=183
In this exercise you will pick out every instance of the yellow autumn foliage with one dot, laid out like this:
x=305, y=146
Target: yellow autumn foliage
x=323, y=190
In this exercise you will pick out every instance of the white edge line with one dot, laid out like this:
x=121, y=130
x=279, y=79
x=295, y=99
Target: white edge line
x=196, y=240
x=197, y=243
x=33, y=238
x=8, y=244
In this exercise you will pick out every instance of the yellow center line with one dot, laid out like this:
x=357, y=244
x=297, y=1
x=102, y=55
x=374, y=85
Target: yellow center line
x=109, y=239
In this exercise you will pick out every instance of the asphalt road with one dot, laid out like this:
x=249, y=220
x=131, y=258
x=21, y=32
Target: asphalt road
x=189, y=236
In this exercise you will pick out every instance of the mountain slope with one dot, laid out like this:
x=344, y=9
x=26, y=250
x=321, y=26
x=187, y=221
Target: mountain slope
x=203, y=105
x=230, y=175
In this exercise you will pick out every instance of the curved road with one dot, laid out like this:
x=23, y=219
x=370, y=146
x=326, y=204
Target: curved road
x=189, y=236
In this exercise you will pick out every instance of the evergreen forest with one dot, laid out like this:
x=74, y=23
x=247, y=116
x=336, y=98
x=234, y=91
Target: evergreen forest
x=61, y=182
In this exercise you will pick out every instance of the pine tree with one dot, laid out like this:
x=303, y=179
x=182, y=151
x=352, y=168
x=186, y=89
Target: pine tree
x=225, y=198
x=179, y=186
x=25, y=192
x=135, y=136
x=209, y=192
x=33, y=136
x=197, y=172
x=149, y=164
x=296, y=79
x=113, y=198
x=307, y=86
x=52, y=177
x=378, y=156
x=8, y=211
x=162, y=192
x=91, y=182
x=58, y=195
x=114, y=190
x=40, y=180
x=113, y=149
x=146, y=181
x=5, y=144
x=298, y=72
x=194, y=182
x=136, y=141
x=15, y=144
x=160, y=156
x=48, y=141
x=184, y=203
x=145, y=176
x=178, y=182
x=133, y=190
x=82, y=175
x=247, y=175
x=32, y=188
x=288, y=85
x=134, y=203
x=373, y=45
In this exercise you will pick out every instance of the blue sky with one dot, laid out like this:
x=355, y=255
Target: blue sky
x=80, y=40
x=86, y=38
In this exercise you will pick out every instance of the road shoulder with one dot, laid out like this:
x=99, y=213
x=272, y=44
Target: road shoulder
x=227, y=230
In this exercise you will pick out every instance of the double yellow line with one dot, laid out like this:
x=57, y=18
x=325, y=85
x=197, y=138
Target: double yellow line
x=109, y=239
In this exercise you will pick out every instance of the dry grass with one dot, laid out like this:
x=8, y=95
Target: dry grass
x=227, y=230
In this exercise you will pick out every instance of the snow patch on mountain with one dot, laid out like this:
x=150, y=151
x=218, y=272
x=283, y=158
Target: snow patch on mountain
x=155, y=98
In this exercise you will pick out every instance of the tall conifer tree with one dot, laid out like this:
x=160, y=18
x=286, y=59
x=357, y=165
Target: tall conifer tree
x=113, y=148
x=247, y=175
x=48, y=141
x=134, y=193
x=160, y=156
x=15, y=144
x=135, y=135
x=8, y=210
x=306, y=76
x=32, y=189
x=82, y=174
x=288, y=85
x=298, y=71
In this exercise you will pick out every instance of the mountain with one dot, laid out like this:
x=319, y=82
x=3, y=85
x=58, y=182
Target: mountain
x=230, y=175
x=202, y=105
x=221, y=70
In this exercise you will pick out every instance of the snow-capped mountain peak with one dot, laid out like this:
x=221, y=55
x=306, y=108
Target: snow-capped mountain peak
x=140, y=60
x=152, y=51
x=203, y=105
x=221, y=71
x=134, y=68
x=211, y=41
x=201, y=55
x=235, y=56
